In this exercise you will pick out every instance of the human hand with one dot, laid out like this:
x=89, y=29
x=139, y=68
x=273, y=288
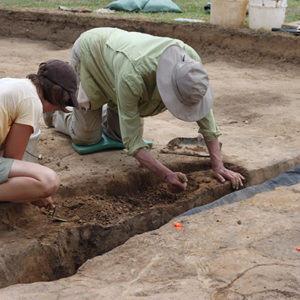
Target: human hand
x=236, y=178
x=177, y=182
x=44, y=202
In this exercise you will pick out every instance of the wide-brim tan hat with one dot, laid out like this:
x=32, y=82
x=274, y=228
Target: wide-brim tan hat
x=183, y=85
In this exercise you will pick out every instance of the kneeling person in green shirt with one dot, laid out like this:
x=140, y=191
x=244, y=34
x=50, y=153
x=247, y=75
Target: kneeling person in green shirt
x=133, y=75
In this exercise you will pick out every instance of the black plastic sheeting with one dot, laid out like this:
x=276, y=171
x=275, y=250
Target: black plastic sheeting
x=287, y=178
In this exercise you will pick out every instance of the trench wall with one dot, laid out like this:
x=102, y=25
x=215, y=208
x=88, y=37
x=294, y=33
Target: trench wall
x=209, y=40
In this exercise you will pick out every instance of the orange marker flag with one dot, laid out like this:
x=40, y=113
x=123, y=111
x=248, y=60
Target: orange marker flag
x=177, y=225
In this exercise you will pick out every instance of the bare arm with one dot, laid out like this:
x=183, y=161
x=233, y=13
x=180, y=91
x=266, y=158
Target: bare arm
x=17, y=140
x=176, y=181
x=220, y=172
x=28, y=182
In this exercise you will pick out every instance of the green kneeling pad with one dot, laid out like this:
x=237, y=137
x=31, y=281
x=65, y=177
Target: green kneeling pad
x=104, y=144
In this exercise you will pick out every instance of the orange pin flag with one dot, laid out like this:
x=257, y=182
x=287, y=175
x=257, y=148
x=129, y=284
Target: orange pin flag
x=298, y=248
x=177, y=225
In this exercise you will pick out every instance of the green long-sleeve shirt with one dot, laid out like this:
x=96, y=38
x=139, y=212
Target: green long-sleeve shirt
x=119, y=68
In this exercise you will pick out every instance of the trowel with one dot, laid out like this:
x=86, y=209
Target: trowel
x=56, y=219
x=195, y=146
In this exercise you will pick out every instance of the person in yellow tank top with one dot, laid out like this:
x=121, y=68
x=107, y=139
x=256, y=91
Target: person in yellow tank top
x=22, y=102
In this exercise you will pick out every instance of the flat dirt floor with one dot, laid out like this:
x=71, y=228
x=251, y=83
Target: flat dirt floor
x=256, y=99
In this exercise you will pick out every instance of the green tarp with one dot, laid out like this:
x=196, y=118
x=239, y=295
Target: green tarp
x=144, y=6
x=127, y=5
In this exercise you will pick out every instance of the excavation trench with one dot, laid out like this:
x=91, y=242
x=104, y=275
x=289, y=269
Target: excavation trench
x=96, y=222
x=105, y=198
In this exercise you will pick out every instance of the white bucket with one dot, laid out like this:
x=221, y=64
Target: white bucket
x=266, y=14
x=31, y=153
x=229, y=13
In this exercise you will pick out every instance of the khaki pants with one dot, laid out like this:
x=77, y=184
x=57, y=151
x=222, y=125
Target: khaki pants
x=5, y=166
x=85, y=127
